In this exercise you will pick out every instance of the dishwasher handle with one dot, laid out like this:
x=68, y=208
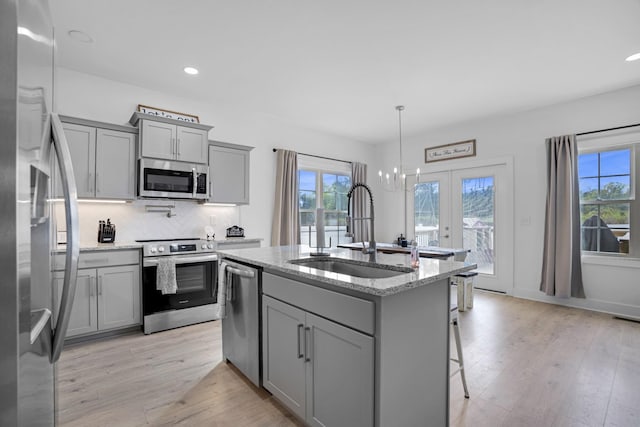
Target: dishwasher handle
x=242, y=273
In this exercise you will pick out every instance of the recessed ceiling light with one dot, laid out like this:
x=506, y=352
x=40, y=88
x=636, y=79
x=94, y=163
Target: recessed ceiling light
x=633, y=57
x=191, y=70
x=80, y=36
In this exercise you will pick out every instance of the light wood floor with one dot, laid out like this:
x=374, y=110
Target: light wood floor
x=528, y=364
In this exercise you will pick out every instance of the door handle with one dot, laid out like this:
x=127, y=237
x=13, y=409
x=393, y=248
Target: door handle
x=300, y=329
x=307, y=342
x=178, y=146
x=97, y=183
x=92, y=291
x=73, y=242
x=99, y=285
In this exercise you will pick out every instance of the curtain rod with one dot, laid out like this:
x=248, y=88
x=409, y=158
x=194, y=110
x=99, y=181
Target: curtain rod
x=320, y=157
x=607, y=130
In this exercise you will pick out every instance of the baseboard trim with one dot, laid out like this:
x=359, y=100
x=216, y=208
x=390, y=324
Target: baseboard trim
x=630, y=312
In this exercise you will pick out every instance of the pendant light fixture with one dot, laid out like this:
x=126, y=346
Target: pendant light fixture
x=397, y=180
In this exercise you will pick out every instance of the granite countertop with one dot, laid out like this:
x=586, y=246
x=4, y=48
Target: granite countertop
x=275, y=259
x=95, y=246
x=230, y=240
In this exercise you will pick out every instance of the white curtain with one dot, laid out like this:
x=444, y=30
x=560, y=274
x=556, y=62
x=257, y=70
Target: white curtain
x=561, y=266
x=360, y=203
x=285, y=229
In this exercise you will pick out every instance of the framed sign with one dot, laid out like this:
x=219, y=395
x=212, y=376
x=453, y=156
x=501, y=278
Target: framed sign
x=168, y=114
x=450, y=151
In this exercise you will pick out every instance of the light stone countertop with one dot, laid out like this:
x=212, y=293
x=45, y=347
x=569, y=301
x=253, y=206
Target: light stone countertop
x=275, y=259
x=95, y=246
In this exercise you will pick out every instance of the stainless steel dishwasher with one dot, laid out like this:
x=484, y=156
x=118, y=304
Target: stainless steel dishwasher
x=241, y=327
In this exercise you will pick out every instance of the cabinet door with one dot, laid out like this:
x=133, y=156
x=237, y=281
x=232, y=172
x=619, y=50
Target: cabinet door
x=192, y=144
x=115, y=164
x=283, y=363
x=82, y=145
x=83, y=314
x=229, y=172
x=118, y=296
x=340, y=375
x=158, y=140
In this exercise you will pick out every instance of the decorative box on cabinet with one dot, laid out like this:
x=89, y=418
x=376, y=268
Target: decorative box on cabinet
x=107, y=291
x=103, y=159
x=170, y=139
x=229, y=171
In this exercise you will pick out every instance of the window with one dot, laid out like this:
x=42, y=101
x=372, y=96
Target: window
x=323, y=184
x=607, y=182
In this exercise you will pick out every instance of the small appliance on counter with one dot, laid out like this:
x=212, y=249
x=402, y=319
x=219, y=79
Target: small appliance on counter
x=106, y=231
x=235, y=231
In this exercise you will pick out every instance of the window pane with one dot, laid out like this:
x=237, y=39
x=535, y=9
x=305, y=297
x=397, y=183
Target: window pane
x=307, y=219
x=478, y=221
x=615, y=162
x=588, y=188
x=427, y=213
x=306, y=180
x=307, y=199
x=615, y=188
x=605, y=228
x=588, y=165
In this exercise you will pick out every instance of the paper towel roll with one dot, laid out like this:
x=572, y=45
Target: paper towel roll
x=320, y=228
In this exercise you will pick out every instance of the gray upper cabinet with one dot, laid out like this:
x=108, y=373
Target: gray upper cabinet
x=103, y=160
x=115, y=164
x=82, y=145
x=229, y=172
x=169, y=139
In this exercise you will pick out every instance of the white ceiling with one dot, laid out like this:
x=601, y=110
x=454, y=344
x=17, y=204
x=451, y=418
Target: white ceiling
x=341, y=66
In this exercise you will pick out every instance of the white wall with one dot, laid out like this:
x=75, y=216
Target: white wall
x=521, y=136
x=94, y=98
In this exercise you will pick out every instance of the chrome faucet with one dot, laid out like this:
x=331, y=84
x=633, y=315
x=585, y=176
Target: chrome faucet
x=371, y=250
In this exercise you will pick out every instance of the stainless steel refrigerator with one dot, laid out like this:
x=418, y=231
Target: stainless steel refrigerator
x=30, y=342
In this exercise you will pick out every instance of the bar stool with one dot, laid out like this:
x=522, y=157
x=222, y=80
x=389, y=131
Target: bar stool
x=453, y=319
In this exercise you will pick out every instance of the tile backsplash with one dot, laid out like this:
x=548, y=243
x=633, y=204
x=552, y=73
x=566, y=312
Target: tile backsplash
x=133, y=222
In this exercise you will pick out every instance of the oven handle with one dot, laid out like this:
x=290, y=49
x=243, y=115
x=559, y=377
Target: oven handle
x=151, y=262
x=242, y=273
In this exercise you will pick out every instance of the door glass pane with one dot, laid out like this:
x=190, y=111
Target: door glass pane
x=427, y=213
x=478, y=200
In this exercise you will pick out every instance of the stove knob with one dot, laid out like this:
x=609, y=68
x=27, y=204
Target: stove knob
x=210, y=245
x=152, y=249
x=161, y=249
x=204, y=246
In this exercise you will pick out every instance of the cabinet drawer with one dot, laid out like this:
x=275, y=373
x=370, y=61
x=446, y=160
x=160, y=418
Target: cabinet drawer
x=350, y=311
x=101, y=259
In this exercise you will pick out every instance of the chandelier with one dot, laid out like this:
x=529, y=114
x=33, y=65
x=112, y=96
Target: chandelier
x=398, y=179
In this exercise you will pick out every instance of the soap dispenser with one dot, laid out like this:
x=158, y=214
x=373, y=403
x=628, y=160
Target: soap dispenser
x=415, y=255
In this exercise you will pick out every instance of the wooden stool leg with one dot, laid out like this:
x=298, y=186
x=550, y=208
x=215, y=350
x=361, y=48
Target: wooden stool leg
x=456, y=334
x=461, y=293
x=468, y=293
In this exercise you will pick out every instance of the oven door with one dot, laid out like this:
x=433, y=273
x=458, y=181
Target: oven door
x=196, y=279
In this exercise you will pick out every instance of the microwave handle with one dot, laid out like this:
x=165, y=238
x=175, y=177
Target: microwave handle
x=194, y=187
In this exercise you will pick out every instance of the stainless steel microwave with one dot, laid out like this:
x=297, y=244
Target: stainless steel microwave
x=173, y=180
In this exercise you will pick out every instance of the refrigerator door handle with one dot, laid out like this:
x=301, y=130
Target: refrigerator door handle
x=73, y=242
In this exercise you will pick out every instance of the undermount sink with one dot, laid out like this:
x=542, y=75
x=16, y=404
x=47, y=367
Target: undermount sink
x=352, y=268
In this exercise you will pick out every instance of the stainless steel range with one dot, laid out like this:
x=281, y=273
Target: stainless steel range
x=195, y=294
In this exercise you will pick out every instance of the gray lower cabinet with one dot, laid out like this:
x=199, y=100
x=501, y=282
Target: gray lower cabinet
x=322, y=371
x=107, y=297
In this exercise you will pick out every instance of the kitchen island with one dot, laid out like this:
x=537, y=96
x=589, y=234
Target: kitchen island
x=345, y=343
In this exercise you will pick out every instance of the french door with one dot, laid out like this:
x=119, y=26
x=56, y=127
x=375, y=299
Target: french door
x=469, y=208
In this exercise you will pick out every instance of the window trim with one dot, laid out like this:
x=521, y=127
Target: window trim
x=320, y=166
x=613, y=141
